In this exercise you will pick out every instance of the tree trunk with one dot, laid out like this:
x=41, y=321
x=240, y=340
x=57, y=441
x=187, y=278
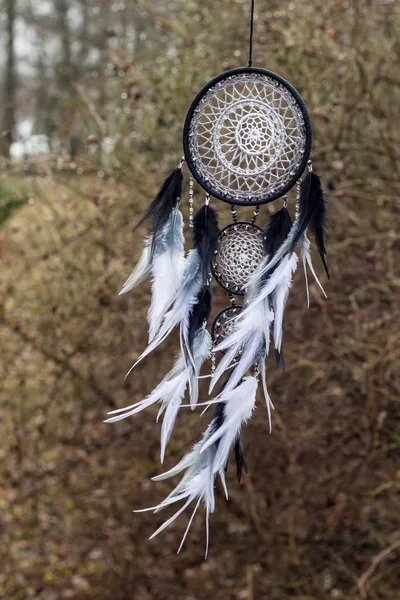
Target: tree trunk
x=65, y=74
x=65, y=78
x=84, y=35
x=8, y=120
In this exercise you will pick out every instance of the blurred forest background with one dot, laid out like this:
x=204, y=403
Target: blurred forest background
x=93, y=98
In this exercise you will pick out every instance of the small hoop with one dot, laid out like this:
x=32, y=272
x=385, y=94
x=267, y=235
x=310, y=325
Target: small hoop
x=223, y=323
x=239, y=251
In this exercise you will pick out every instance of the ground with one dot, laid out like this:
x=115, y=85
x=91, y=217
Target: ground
x=317, y=515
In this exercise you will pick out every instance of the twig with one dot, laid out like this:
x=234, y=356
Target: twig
x=65, y=365
x=362, y=581
x=250, y=582
x=361, y=239
x=257, y=521
x=92, y=109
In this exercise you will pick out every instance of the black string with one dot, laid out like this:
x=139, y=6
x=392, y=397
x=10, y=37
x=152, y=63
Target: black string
x=251, y=33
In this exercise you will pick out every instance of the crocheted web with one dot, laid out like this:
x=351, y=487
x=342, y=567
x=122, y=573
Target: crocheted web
x=247, y=137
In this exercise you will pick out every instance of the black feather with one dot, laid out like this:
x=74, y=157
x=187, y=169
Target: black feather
x=240, y=461
x=205, y=236
x=279, y=360
x=200, y=313
x=277, y=230
x=318, y=223
x=219, y=413
x=219, y=416
x=202, y=309
x=218, y=420
x=312, y=213
x=166, y=199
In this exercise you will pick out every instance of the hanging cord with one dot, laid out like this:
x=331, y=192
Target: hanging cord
x=251, y=33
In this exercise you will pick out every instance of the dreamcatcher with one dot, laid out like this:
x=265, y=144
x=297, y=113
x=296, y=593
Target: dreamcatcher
x=247, y=141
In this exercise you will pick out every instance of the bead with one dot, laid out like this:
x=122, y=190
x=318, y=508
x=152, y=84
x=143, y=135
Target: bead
x=191, y=202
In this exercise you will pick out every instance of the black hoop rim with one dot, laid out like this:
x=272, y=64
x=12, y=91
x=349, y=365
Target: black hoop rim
x=308, y=128
x=229, y=226
x=214, y=324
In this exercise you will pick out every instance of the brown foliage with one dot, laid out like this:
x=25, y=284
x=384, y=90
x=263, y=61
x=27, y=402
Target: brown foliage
x=317, y=517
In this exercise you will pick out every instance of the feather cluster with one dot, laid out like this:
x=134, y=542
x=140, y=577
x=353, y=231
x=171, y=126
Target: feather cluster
x=191, y=302
x=312, y=214
x=171, y=391
x=182, y=296
x=209, y=457
x=163, y=254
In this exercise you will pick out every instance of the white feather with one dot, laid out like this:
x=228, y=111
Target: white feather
x=201, y=351
x=223, y=365
x=208, y=458
x=270, y=406
x=251, y=334
x=250, y=353
x=171, y=391
x=189, y=525
x=248, y=340
x=239, y=405
x=221, y=474
x=281, y=274
x=172, y=405
x=186, y=462
x=197, y=483
x=306, y=254
x=280, y=297
x=164, y=390
x=198, y=486
x=167, y=270
x=171, y=519
x=184, y=302
x=271, y=261
x=142, y=269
